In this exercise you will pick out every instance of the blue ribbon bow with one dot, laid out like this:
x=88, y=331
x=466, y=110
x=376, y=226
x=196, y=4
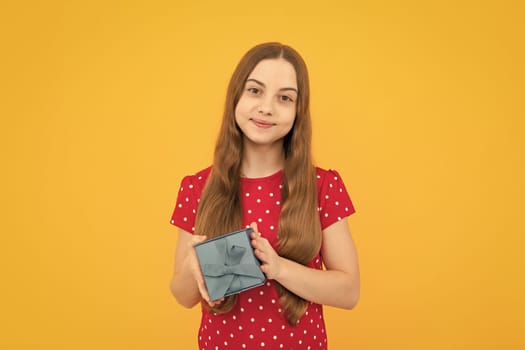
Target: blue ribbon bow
x=227, y=277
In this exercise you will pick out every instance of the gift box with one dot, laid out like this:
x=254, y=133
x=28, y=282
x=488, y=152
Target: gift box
x=229, y=265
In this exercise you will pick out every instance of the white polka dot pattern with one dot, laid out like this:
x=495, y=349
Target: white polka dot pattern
x=256, y=321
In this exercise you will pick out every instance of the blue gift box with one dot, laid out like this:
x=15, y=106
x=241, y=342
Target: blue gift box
x=229, y=265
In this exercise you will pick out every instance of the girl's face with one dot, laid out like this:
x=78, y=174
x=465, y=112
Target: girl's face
x=266, y=109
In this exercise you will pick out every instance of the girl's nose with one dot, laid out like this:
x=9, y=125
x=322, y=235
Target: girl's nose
x=265, y=108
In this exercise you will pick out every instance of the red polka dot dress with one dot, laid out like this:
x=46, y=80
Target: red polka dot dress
x=256, y=321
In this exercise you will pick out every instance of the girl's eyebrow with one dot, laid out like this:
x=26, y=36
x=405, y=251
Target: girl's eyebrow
x=262, y=84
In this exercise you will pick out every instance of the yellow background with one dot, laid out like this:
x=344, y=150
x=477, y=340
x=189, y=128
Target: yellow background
x=105, y=106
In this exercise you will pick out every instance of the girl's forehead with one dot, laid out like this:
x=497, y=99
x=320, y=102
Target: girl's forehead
x=275, y=72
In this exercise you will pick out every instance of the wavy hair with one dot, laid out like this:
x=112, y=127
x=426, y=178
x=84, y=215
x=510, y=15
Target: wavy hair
x=220, y=206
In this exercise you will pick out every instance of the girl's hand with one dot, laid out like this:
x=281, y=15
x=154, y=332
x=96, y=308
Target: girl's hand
x=271, y=261
x=193, y=263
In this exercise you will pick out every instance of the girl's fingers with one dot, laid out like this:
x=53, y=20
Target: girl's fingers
x=196, y=270
x=253, y=225
x=198, y=239
x=216, y=302
x=254, y=241
x=203, y=291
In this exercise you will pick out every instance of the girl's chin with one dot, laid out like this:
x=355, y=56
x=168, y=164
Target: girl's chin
x=262, y=142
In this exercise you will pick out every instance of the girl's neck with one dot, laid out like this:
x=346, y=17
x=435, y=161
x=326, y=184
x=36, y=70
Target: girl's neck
x=261, y=160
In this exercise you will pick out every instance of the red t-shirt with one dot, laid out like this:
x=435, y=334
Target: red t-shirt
x=256, y=321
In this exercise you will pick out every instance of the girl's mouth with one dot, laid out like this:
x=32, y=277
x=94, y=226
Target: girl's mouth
x=262, y=124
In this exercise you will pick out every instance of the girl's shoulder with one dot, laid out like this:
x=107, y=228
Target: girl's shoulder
x=333, y=198
x=329, y=183
x=199, y=176
x=327, y=174
x=196, y=181
x=202, y=174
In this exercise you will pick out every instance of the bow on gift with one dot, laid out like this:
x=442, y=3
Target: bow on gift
x=226, y=278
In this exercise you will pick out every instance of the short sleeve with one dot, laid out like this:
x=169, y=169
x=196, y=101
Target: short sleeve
x=334, y=201
x=186, y=206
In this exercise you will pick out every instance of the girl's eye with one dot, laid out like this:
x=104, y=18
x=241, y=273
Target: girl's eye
x=253, y=90
x=285, y=98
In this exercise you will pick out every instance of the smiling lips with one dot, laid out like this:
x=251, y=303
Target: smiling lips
x=262, y=124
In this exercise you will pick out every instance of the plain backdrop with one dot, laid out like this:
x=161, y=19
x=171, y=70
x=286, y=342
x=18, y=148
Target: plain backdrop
x=106, y=105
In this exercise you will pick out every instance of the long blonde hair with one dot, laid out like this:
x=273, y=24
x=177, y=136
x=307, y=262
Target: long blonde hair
x=220, y=206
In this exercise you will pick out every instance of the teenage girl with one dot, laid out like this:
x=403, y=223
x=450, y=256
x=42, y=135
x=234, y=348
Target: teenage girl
x=263, y=176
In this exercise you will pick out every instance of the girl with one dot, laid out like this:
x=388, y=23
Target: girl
x=263, y=176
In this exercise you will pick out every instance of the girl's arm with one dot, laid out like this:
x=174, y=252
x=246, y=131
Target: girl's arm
x=187, y=284
x=336, y=286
